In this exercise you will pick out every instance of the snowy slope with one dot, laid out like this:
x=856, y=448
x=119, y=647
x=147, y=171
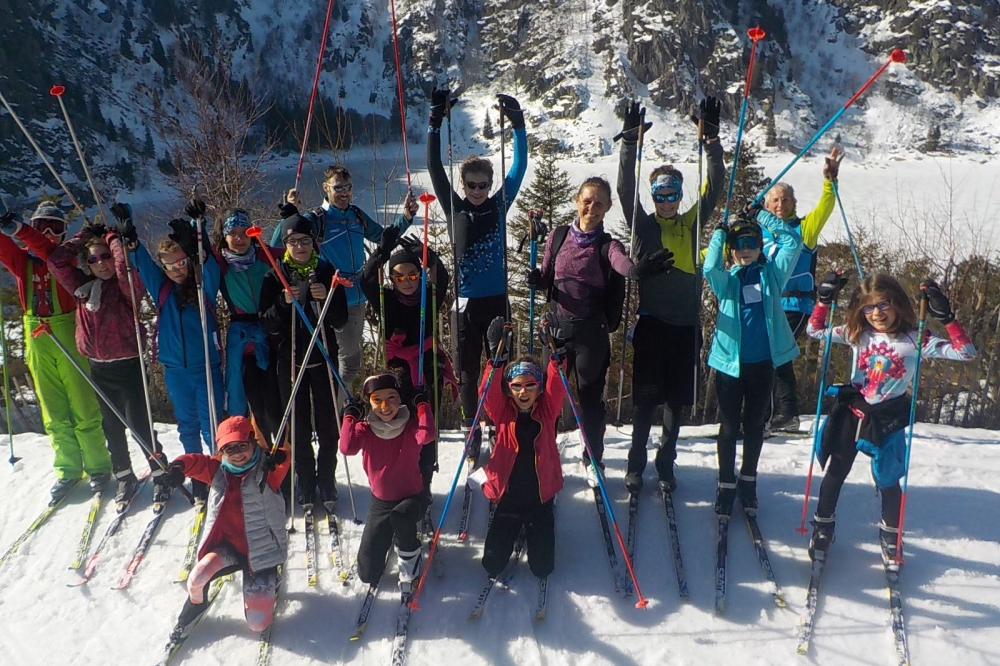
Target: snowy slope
x=951, y=584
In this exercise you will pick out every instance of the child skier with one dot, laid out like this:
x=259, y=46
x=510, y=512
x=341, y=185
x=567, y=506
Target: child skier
x=524, y=472
x=390, y=440
x=872, y=412
x=478, y=232
x=180, y=348
x=751, y=338
x=245, y=525
x=105, y=334
x=70, y=412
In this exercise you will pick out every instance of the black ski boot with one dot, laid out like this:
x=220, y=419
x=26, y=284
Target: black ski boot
x=127, y=485
x=161, y=489
x=747, y=490
x=822, y=537
x=200, y=491
x=329, y=495
x=476, y=445
x=633, y=482
x=725, y=495
x=887, y=537
x=99, y=481
x=61, y=489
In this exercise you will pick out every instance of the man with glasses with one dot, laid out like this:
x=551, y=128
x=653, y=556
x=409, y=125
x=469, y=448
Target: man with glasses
x=667, y=333
x=341, y=231
x=799, y=294
x=478, y=231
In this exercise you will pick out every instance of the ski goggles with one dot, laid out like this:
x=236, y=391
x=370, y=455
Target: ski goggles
x=745, y=243
x=104, y=256
x=236, y=448
x=884, y=306
x=54, y=227
x=409, y=277
x=524, y=368
x=175, y=265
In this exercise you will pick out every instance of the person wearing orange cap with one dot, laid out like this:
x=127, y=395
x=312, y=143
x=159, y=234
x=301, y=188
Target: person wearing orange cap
x=245, y=526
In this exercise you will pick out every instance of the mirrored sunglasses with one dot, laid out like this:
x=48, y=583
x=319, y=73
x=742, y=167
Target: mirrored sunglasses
x=668, y=196
x=342, y=188
x=527, y=386
x=175, y=265
x=746, y=243
x=411, y=277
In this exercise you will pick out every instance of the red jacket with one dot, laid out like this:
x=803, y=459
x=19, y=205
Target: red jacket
x=108, y=333
x=503, y=412
x=19, y=262
x=392, y=465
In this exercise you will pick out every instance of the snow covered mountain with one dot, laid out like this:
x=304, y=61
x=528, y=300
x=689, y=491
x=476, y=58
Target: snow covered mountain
x=572, y=61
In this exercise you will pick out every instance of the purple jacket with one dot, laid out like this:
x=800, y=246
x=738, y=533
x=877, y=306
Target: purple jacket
x=576, y=273
x=104, y=325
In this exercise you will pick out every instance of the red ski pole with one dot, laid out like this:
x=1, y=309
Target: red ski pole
x=399, y=90
x=315, y=88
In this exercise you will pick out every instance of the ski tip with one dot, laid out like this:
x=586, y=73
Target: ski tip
x=463, y=536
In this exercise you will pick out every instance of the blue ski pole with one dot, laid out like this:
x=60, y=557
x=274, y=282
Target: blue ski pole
x=755, y=34
x=847, y=228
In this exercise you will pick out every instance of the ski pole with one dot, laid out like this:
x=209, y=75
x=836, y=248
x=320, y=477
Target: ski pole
x=696, y=258
x=643, y=602
x=534, y=220
x=458, y=472
x=897, y=55
x=315, y=89
x=828, y=343
x=213, y=422
x=503, y=200
x=456, y=356
x=426, y=198
x=6, y=382
x=399, y=90
x=57, y=92
x=631, y=255
x=381, y=318
x=847, y=228
x=255, y=232
x=45, y=160
x=755, y=35
x=435, y=324
x=293, y=378
x=913, y=418
x=45, y=328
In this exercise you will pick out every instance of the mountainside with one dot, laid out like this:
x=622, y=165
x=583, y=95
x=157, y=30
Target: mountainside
x=572, y=62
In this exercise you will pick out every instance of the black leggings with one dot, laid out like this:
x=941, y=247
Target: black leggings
x=388, y=519
x=121, y=381
x=472, y=325
x=313, y=407
x=785, y=398
x=742, y=399
x=539, y=534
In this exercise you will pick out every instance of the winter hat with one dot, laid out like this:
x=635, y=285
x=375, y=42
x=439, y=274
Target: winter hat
x=524, y=368
x=234, y=429
x=403, y=256
x=48, y=211
x=300, y=223
x=672, y=180
x=383, y=380
x=237, y=218
x=743, y=228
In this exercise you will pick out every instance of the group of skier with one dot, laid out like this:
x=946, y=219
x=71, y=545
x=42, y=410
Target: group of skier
x=296, y=312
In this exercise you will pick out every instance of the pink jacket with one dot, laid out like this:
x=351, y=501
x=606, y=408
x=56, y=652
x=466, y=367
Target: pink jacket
x=104, y=327
x=392, y=465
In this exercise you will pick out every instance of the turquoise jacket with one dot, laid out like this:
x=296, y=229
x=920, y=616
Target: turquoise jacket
x=725, y=284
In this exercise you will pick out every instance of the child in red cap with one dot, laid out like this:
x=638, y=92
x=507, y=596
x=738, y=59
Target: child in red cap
x=390, y=441
x=245, y=526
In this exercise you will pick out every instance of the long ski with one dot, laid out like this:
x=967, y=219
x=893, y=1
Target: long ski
x=477, y=610
x=194, y=534
x=633, y=518
x=337, y=546
x=140, y=550
x=38, y=522
x=174, y=646
x=312, y=574
x=366, y=608
x=896, y=611
x=807, y=619
x=675, y=545
x=122, y=512
x=402, y=628
x=264, y=642
x=96, y=502
x=463, y=525
x=721, y=555
x=621, y=588
x=543, y=594
x=765, y=561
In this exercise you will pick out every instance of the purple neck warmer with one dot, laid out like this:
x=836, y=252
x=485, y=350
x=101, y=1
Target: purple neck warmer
x=584, y=238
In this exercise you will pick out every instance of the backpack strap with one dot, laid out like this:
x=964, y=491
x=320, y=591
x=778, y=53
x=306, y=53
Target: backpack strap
x=556, y=240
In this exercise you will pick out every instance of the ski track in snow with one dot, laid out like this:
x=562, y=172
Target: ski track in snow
x=950, y=583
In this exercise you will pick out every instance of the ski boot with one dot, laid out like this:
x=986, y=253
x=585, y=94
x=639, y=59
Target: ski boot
x=127, y=485
x=61, y=489
x=409, y=569
x=887, y=537
x=725, y=495
x=588, y=469
x=822, y=537
x=329, y=495
x=475, y=445
x=633, y=482
x=746, y=488
x=784, y=423
x=200, y=491
x=98, y=481
x=161, y=489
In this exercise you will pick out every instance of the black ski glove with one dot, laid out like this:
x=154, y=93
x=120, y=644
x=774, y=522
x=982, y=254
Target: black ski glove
x=830, y=287
x=195, y=208
x=355, y=407
x=708, y=111
x=8, y=224
x=499, y=330
x=286, y=210
x=937, y=302
x=536, y=280
x=634, y=113
x=388, y=241
x=419, y=395
x=185, y=235
x=512, y=109
x=175, y=474
x=126, y=227
x=653, y=263
x=439, y=106
x=273, y=460
x=551, y=329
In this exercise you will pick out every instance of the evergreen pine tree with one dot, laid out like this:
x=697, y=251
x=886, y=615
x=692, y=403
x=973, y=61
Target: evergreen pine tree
x=488, y=131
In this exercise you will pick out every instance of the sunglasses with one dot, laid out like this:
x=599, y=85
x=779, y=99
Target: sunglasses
x=409, y=277
x=342, y=188
x=746, y=243
x=472, y=185
x=299, y=242
x=884, y=306
x=238, y=447
x=671, y=197
x=104, y=256
x=173, y=265
x=518, y=387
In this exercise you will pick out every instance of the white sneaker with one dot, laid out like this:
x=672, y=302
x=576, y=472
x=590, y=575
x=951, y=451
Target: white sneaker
x=591, y=475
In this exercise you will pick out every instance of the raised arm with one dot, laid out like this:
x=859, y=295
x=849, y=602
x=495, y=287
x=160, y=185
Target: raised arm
x=787, y=241
x=714, y=266
x=150, y=272
x=62, y=264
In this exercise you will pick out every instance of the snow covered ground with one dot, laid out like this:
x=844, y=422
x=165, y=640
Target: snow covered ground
x=950, y=583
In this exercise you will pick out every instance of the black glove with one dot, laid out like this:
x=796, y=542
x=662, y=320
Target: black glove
x=185, y=235
x=630, y=125
x=708, y=112
x=286, y=210
x=937, y=302
x=751, y=210
x=439, y=106
x=499, y=330
x=510, y=108
x=830, y=287
x=175, y=474
x=536, y=280
x=122, y=213
x=652, y=264
x=271, y=461
x=412, y=244
x=388, y=241
x=552, y=330
x=722, y=226
x=195, y=208
x=419, y=395
x=8, y=224
x=537, y=227
x=354, y=407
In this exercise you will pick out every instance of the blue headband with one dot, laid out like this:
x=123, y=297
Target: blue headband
x=666, y=181
x=239, y=218
x=524, y=368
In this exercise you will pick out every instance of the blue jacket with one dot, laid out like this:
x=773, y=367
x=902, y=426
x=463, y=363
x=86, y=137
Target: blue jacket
x=178, y=329
x=725, y=284
x=341, y=236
